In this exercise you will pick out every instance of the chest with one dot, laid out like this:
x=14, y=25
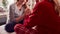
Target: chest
x=18, y=12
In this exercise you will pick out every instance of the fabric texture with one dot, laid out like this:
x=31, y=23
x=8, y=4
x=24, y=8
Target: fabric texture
x=21, y=29
x=14, y=12
x=10, y=26
x=46, y=19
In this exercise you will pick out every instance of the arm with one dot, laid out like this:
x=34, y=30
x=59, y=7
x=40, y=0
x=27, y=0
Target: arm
x=45, y=10
x=11, y=14
x=27, y=11
x=20, y=18
x=32, y=19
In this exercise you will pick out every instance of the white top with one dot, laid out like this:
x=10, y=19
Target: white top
x=19, y=12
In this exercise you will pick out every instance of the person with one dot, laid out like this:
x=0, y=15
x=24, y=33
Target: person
x=45, y=17
x=18, y=11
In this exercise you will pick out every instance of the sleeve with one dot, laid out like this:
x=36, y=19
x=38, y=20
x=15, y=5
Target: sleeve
x=33, y=20
x=11, y=14
x=47, y=13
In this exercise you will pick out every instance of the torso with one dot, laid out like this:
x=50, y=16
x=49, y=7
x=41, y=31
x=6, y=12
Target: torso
x=18, y=12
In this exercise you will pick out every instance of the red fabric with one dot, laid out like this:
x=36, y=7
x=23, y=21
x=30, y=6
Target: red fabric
x=21, y=29
x=37, y=1
x=46, y=19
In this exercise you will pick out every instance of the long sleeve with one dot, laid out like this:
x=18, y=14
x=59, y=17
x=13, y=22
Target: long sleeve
x=44, y=16
x=11, y=13
x=33, y=20
x=46, y=19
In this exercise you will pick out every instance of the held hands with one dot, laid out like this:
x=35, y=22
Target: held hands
x=27, y=11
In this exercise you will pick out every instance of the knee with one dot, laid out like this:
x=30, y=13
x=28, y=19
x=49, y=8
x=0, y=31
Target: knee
x=17, y=26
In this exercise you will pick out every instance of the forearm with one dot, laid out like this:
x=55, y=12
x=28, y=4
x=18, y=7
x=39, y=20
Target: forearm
x=20, y=18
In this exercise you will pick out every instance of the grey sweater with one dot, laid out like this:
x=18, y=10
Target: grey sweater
x=13, y=12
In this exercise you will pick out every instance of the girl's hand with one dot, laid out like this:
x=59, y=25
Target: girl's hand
x=27, y=11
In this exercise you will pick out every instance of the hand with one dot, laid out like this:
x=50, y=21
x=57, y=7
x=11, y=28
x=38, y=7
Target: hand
x=27, y=11
x=24, y=2
x=17, y=20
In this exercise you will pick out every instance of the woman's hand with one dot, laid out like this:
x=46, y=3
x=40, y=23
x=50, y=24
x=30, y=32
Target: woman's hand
x=27, y=11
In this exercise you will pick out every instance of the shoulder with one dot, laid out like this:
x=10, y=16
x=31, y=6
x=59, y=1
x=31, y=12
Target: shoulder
x=43, y=6
x=12, y=5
